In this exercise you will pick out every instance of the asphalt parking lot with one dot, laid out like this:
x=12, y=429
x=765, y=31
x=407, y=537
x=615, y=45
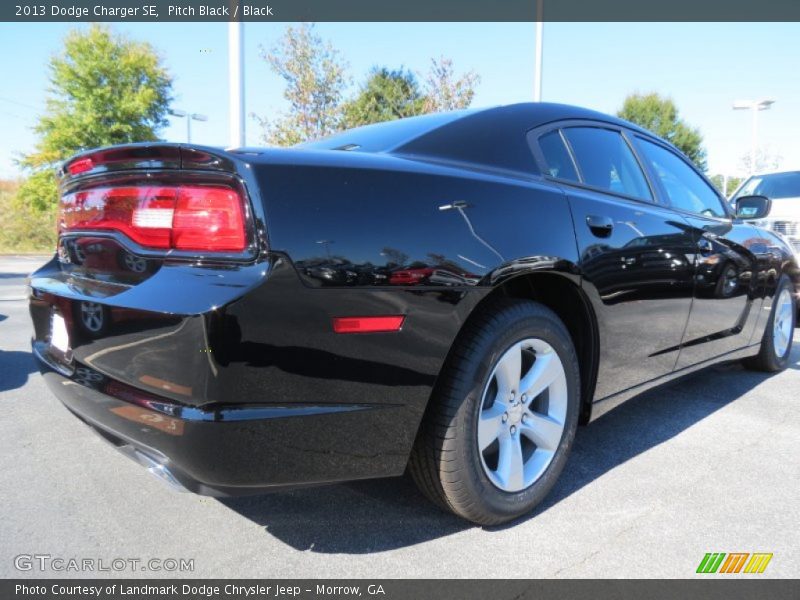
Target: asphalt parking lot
x=708, y=464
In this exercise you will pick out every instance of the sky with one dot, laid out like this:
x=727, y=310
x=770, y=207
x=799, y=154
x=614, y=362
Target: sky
x=703, y=67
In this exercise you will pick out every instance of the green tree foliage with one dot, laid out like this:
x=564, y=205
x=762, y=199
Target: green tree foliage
x=104, y=89
x=316, y=81
x=385, y=96
x=444, y=90
x=389, y=95
x=660, y=115
x=27, y=229
x=315, y=78
x=727, y=187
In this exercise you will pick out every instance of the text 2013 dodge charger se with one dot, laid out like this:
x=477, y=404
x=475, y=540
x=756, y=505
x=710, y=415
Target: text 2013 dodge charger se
x=450, y=294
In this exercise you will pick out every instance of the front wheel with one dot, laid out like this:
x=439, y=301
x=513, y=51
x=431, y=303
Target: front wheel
x=503, y=416
x=776, y=344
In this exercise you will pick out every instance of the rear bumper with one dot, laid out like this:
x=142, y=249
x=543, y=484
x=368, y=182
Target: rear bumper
x=230, y=379
x=225, y=452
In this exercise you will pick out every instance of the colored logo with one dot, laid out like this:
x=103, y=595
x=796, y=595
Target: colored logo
x=734, y=562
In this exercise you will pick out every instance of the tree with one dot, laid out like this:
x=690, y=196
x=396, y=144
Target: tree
x=394, y=257
x=104, y=89
x=389, y=95
x=660, y=115
x=726, y=185
x=385, y=96
x=766, y=160
x=446, y=91
x=315, y=78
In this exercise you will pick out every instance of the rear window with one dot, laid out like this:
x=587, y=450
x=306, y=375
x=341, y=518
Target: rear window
x=606, y=161
x=559, y=162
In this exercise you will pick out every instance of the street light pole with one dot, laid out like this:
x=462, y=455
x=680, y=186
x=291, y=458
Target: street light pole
x=754, y=106
x=236, y=83
x=753, y=139
x=537, y=80
x=189, y=118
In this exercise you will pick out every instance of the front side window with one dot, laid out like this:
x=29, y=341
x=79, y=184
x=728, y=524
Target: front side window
x=685, y=189
x=605, y=161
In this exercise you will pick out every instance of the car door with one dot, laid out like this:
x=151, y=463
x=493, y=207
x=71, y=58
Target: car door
x=722, y=316
x=635, y=255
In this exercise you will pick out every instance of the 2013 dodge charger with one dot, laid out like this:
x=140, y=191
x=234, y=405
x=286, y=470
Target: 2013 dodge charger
x=450, y=294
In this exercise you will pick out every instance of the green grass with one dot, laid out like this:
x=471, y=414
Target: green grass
x=24, y=230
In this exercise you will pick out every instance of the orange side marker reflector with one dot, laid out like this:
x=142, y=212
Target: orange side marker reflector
x=368, y=324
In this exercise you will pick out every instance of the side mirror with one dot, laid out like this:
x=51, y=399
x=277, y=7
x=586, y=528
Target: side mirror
x=752, y=207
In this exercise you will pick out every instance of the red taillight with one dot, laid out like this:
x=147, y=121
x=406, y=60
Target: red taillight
x=80, y=166
x=368, y=324
x=188, y=217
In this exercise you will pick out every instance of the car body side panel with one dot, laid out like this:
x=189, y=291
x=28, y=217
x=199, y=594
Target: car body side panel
x=726, y=302
x=379, y=218
x=639, y=278
x=774, y=258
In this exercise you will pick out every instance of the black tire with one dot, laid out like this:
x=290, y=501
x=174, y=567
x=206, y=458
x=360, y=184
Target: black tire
x=445, y=463
x=767, y=359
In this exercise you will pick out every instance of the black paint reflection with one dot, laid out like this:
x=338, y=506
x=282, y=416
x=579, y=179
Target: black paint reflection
x=105, y=259
x=336, y=271
x=724, y=290
x=646, y=267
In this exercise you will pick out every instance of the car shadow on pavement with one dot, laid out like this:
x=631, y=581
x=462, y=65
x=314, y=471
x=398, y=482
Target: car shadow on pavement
x=359, y=517
x=377, y=515
x=15, y=367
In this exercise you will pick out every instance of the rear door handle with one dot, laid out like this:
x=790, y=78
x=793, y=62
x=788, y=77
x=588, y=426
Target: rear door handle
x=600, y=226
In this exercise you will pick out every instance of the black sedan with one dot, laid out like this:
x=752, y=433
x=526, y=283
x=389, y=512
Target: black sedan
x=449, y=295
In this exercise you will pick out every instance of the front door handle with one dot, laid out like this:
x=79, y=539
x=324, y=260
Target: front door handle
x=600, y=226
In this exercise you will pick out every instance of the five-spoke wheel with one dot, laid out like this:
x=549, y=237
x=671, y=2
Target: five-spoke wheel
x=503, y=416
x=522, y=414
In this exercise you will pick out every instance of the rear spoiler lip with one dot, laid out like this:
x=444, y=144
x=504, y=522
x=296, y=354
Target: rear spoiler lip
x=147, y=156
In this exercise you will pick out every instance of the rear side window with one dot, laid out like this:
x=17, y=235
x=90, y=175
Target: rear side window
x=559, y=162
x=606, y=161
x=685, y=189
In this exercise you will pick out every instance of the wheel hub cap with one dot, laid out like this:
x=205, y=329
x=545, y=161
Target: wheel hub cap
x=522, y=415
x=783, y=324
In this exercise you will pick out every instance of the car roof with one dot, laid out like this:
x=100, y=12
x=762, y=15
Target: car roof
x=497, y=137
x=493, y=138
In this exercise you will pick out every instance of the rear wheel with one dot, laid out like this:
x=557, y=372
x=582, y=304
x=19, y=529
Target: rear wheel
x=503, y=416
x=776, y=344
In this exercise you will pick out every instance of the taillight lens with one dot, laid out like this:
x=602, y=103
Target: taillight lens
x=207, y=218
x=80, y=166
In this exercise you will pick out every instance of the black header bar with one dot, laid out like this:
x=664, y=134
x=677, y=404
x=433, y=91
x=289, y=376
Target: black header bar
x=397, y=10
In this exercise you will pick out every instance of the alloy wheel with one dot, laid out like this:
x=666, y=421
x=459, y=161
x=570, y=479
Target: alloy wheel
x=782, y=323
x=522, y=415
